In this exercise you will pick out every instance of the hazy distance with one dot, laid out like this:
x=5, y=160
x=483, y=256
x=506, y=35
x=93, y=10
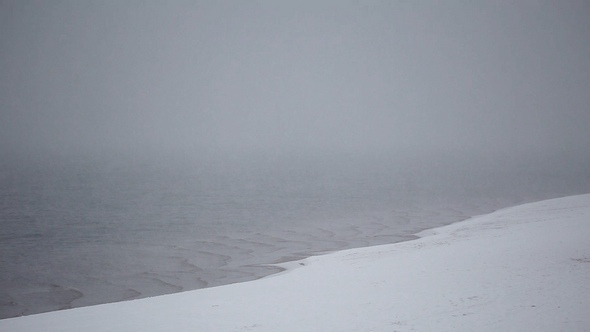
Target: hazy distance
x=277, y=76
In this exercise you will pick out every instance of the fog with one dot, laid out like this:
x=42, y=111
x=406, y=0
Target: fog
x=148, y=147
x=281, y=77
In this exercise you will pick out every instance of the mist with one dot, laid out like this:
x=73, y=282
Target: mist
x=148, y=147
x=387, y=77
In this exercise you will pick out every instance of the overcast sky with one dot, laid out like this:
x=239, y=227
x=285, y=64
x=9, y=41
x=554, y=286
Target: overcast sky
x=277, y=75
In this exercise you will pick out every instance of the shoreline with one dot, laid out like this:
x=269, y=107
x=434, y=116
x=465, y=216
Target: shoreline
x=228, y=259
x=519, y=268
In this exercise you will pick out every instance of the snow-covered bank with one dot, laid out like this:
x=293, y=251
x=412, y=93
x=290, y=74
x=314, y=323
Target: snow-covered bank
x=519, y=269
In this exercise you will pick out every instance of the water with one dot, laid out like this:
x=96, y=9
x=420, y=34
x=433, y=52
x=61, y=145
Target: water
x=87, y=230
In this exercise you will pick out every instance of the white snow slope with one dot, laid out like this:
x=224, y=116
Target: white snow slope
x=525, y=268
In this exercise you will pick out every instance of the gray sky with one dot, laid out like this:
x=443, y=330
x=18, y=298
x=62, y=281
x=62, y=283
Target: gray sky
x=273, y=75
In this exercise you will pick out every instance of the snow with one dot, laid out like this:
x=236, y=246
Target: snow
x=522, y=268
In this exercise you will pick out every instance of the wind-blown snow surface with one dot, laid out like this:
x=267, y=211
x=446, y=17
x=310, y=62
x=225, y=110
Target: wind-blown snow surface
x=522, y=268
